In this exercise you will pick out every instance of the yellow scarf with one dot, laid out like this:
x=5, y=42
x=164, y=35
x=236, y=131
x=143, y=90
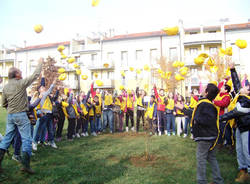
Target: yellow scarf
x=217, y=122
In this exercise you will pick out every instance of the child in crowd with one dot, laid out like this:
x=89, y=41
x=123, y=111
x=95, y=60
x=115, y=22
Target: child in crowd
x=130, y=110
x=170, y=118
x=205, y=123
x=151, y=115
x=140, y=107
x=241, y=114
x=179, y=117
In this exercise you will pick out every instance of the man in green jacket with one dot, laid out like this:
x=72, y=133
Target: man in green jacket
x=15, y=100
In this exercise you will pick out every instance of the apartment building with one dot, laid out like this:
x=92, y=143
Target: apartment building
x=121, y=52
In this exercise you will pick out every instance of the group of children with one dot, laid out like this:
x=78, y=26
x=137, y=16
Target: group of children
x=209, y=117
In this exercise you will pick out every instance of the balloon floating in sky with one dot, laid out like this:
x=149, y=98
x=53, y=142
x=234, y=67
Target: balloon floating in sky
x=95, y=2
x=241, y=43
x=61, y=70
x=38, y=28
x=62, y=77
x=229, y=51
x=171, y=30
x=84, y=77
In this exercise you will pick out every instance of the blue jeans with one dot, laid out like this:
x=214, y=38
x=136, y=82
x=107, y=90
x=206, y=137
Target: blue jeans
x=98, y=124
x=170, y=122
x=108, y=116
x=17, y=143
x=243, y=149
x=85, y=125
x=187, y=123
x=92, y=124
x=21, y=121
x=48, y=123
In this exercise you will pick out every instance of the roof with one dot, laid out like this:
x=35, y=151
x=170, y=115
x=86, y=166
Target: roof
x=42, y=46
x=237, y=26
x=161, y=33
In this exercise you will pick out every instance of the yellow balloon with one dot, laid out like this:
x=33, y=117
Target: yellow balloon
x=84, y=77
x=76, y=65
x=213, y=69
x=205, y=55
x=222, y=52
x=131, y=69
x=146, y=68
x=171, y=30
x=229, y=51
x=38, y=28
x=61, y=70
x=175, y=64
x=123, y=73
x=181, y=64
x=242, y=44
x=138, y=71
x=106, y=65
x=160, y=71
x=121, y=87
x=211, y=61
x=78, y=71
x=99, y=83
x=62, y=77
x=63, y=56
x=184, y=70
x=199, y=60
x=71, y=60
x=60, y=48
x=95, y=2
x=179, y=77
x=95, y=75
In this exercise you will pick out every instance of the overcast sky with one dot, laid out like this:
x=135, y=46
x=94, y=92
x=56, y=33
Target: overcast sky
x=63, y=19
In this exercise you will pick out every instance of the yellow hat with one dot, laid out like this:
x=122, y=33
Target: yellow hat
x=84, y=77
x=171, y=30
x=241, y=43
x=214, y=82
x=61, y=70
x=38, y=28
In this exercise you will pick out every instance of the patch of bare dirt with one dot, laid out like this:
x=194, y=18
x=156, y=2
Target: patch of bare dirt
x=143, y=160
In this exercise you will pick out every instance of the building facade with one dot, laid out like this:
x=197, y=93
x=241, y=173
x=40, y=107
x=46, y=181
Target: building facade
x=121, y=52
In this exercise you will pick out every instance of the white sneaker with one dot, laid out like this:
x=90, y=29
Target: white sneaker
x=133, y=129
x=34, y=146
x=73, y=136
x=86, y=134
x=159, y=133
x=166, y=132
x=191, y=137
x=155, y=134
x=185, y=135
x=126, y=129
x=78, y=135
x=111, y=131
x=94, y=134
x=83, y=134
x=53, y=144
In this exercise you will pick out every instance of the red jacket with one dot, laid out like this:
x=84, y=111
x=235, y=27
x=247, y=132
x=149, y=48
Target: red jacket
x=160, y=102
x=223, y=103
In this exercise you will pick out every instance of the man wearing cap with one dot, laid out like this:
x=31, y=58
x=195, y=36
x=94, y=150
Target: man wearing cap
x=15, y=100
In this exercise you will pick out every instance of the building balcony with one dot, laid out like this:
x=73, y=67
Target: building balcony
x=205, y=38
x=97, y=66
x=86, y=49
x=107, y=84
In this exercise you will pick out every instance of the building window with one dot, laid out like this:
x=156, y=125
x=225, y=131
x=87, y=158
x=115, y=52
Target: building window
x=193, y=33
x=193, y=51
x=93, y=58
x=110, y=56
x=173, y=54
x=32, y=66
x=153, y=56
x=124, y=58
x=110, y=75
x=138, y=55
x=212, y=50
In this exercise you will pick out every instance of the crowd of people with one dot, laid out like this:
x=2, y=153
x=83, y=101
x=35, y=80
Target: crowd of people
x=207, y=117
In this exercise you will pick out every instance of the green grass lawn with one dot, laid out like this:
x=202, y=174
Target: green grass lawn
x=117, y=158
